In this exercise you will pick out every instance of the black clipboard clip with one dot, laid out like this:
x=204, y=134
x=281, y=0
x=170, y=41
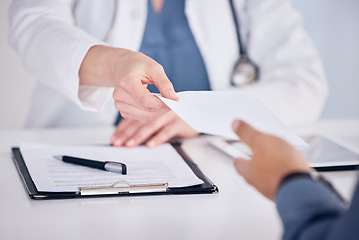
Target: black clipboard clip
x=127, y=189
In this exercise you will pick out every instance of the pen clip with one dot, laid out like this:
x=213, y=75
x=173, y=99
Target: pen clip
x=130, y=188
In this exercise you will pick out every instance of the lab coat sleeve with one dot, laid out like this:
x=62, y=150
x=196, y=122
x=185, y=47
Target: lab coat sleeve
x=52, y=48
x=292, y=81
x=310, y=210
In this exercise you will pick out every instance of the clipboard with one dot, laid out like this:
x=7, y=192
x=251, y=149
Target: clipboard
x=120, y=188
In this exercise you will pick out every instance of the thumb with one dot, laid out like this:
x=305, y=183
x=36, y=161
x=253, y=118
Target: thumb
x=245, y=132
x=242, y=166
x=163, y=84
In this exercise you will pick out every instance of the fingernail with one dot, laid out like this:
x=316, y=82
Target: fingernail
x=235, y=124
x=173, y=94
x=131, y=143
x=118, y=142
x=151, y=143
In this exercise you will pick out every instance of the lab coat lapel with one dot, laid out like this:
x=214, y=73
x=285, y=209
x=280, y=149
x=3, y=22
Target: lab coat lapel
x=212, y=25
x=130, y=24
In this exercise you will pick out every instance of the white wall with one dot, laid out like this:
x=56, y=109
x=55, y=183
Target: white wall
x=16, y=84
x=334, y=28
x=333, y=25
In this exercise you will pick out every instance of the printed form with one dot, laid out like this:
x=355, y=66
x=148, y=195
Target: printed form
x=162, y=164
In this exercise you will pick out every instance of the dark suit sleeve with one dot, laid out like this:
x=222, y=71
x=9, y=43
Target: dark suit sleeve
x=310, y=210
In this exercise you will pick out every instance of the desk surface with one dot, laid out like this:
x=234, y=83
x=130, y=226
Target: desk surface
x=237, y=212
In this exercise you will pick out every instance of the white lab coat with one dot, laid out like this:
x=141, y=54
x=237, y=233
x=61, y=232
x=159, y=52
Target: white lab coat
x=53, y=36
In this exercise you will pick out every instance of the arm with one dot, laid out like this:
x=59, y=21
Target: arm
x=318, y=214
x=292, y=81
x=346, y=226
x=52, y=48
x=313, y=214
x=66, y=58
x=308, y=208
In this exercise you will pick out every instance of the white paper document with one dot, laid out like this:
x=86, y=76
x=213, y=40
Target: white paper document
x=162, y=164
x=213, y=112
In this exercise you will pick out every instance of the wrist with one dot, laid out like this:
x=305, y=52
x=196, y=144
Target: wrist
x=313, y=175
x=95, y=68
x=290, y=176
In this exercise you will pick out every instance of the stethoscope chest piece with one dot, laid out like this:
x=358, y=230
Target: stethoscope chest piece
x=244, y=72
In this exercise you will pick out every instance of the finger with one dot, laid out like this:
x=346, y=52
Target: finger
x=142, y=95
x=146, y=131
x=121, y=95
x=127, y=133
x=123, y=100
x=132, y=112
x=164, y=85
x=241, y=166
x=245, y=132
x=124, y=124
x=116, y=139
x=163, y=135
x=129, y=94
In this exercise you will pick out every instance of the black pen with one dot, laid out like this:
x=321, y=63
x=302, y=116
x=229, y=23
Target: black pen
x=107, y=165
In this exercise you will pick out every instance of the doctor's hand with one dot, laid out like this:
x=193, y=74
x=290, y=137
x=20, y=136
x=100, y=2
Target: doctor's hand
x=131, y=133
x=129, y=73
x=272, y=159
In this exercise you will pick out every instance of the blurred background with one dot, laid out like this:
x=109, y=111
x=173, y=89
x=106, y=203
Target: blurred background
x=333, y=26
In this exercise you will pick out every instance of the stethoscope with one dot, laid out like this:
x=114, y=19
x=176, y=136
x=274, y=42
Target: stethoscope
x=245, y=71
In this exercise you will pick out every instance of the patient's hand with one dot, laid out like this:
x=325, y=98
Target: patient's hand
x=131, y=133
x=272, y=159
